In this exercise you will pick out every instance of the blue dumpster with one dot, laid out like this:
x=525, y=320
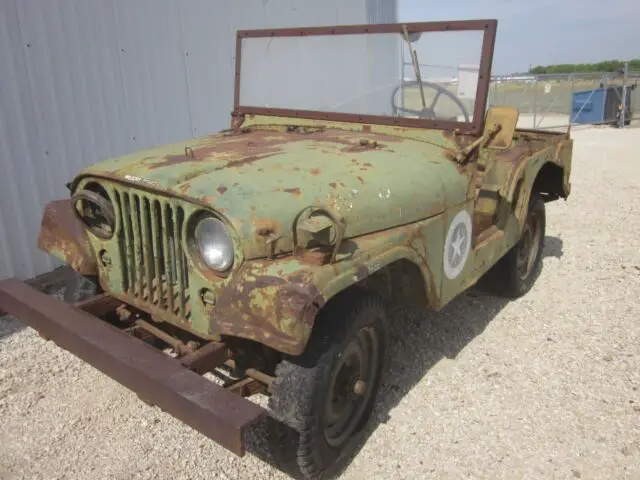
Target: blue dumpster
x=588, y=106
x=599, y=105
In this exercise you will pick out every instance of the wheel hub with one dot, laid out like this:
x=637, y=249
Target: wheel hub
x=351, y=386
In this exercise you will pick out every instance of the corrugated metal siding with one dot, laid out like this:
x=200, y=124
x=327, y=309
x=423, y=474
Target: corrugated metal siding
x=84, y=81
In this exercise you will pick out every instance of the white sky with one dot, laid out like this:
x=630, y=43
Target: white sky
x=543, y=32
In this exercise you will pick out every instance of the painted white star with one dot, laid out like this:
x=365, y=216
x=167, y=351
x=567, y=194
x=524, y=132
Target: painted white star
x=456, y=244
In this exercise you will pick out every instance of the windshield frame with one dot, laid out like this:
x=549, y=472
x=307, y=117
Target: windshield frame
x=474, y=127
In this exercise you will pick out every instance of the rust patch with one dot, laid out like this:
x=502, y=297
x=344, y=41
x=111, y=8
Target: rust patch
x=247, y=160
x=360, y=179
x=296, y=192
x=221, y=189
x=317, y=256
x=333, y=185
x=171, y=160
x=265, y=226
x=366, y=128
x=63, y=235
x=276, y=310
x=314, y=171
x=365, y=145
x=513, y=154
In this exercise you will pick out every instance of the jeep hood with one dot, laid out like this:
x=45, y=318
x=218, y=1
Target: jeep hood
x=264, y=178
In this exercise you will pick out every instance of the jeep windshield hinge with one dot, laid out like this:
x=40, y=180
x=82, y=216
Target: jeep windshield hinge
x=464, y=153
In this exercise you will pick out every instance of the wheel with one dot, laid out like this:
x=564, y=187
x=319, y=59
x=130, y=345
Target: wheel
x=325, y=397
x=515, y=273
x=79, y=287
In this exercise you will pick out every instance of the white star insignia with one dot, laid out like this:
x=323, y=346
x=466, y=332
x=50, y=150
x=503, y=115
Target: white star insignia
x=456, y=244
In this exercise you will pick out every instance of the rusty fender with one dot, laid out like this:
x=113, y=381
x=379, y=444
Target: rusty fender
x=63, y=235
x=275, y=302
x=523, y=175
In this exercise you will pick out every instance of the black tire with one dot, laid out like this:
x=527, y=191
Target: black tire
x=515, y=273
x=79, y=287
x=311, y=389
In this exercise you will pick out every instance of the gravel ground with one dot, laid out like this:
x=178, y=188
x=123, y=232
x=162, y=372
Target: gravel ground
x=543, y=387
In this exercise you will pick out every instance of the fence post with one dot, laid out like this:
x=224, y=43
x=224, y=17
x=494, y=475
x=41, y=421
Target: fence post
x=535, y=100
x=624, y=94
x=571, y=99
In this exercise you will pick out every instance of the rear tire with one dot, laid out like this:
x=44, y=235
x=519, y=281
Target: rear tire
x=515, y=273
x=323, y=398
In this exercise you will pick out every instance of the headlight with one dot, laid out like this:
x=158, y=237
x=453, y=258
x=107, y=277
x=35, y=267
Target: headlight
x=94, y=208
x=214, y=243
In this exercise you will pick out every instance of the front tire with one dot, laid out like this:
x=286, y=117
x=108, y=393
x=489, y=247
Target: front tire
x=325, y=397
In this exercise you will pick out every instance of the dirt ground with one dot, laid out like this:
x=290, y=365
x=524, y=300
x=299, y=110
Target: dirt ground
x=542, y=387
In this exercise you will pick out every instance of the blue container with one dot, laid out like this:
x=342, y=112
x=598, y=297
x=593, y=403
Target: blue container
x=588, y=106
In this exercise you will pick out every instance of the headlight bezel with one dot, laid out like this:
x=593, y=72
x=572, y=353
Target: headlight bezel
x=195, y=249
x=94, y=193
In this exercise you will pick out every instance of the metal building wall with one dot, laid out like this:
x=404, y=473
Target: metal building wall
x=84, y=81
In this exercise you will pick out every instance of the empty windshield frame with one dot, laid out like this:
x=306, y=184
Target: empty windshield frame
x=484, y=75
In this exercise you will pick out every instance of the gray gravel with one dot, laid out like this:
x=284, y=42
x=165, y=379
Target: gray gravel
x=543, y=387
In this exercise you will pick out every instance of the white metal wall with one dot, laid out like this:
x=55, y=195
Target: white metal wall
x=84, y=81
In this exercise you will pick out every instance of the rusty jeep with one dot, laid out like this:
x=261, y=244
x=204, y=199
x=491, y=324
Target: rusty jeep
x=266, y=255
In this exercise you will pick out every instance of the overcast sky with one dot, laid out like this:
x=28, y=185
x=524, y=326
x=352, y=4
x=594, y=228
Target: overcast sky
x=543, y=32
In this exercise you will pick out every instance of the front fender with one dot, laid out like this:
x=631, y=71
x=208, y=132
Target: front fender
x=63, y=235
x=275, y=302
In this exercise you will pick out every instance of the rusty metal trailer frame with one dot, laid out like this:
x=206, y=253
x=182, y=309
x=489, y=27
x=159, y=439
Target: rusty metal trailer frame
x=153, y=375
x=488, y=26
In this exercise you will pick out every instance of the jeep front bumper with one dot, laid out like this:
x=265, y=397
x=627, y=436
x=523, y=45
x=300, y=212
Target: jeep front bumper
x=156, y=377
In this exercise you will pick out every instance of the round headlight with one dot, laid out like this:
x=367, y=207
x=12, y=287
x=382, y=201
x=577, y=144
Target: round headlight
x=214, y=243
x=94, y=208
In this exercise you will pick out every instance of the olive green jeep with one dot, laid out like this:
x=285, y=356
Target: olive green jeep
x=266, y=254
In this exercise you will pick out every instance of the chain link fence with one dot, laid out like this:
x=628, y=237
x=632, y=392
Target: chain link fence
x=557, y=100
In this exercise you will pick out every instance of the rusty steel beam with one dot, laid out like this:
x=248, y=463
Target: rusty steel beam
x=98, y=305
x=208, y=408
x=253, y=373
x=206, y=358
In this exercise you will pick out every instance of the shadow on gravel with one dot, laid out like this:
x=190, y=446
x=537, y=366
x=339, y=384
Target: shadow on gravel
x=51, y=283
x=9, y=325
x=419, y=339
x=552, y=247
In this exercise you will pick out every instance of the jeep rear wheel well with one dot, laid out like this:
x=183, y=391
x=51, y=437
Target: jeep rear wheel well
x=549, y=182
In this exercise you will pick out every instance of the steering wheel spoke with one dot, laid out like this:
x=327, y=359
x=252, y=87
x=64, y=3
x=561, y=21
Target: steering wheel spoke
x=427, y=112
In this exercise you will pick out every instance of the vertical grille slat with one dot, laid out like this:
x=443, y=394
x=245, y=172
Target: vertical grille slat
x=168, y=262
x=128, y=241
x=154, y=267
x=137, y=246
x=156, y=253
x=179, y=255
x=124, y=260
x=145, y=220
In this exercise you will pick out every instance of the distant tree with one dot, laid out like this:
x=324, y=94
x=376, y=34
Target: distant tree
x=605, y=66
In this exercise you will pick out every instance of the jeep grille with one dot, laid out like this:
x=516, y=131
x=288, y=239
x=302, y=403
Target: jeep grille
x=154, y=265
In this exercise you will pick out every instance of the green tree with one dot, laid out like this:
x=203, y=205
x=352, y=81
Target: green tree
x=605, y=66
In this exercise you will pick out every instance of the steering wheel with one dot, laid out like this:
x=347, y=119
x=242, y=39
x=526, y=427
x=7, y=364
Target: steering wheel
x=427, y=112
